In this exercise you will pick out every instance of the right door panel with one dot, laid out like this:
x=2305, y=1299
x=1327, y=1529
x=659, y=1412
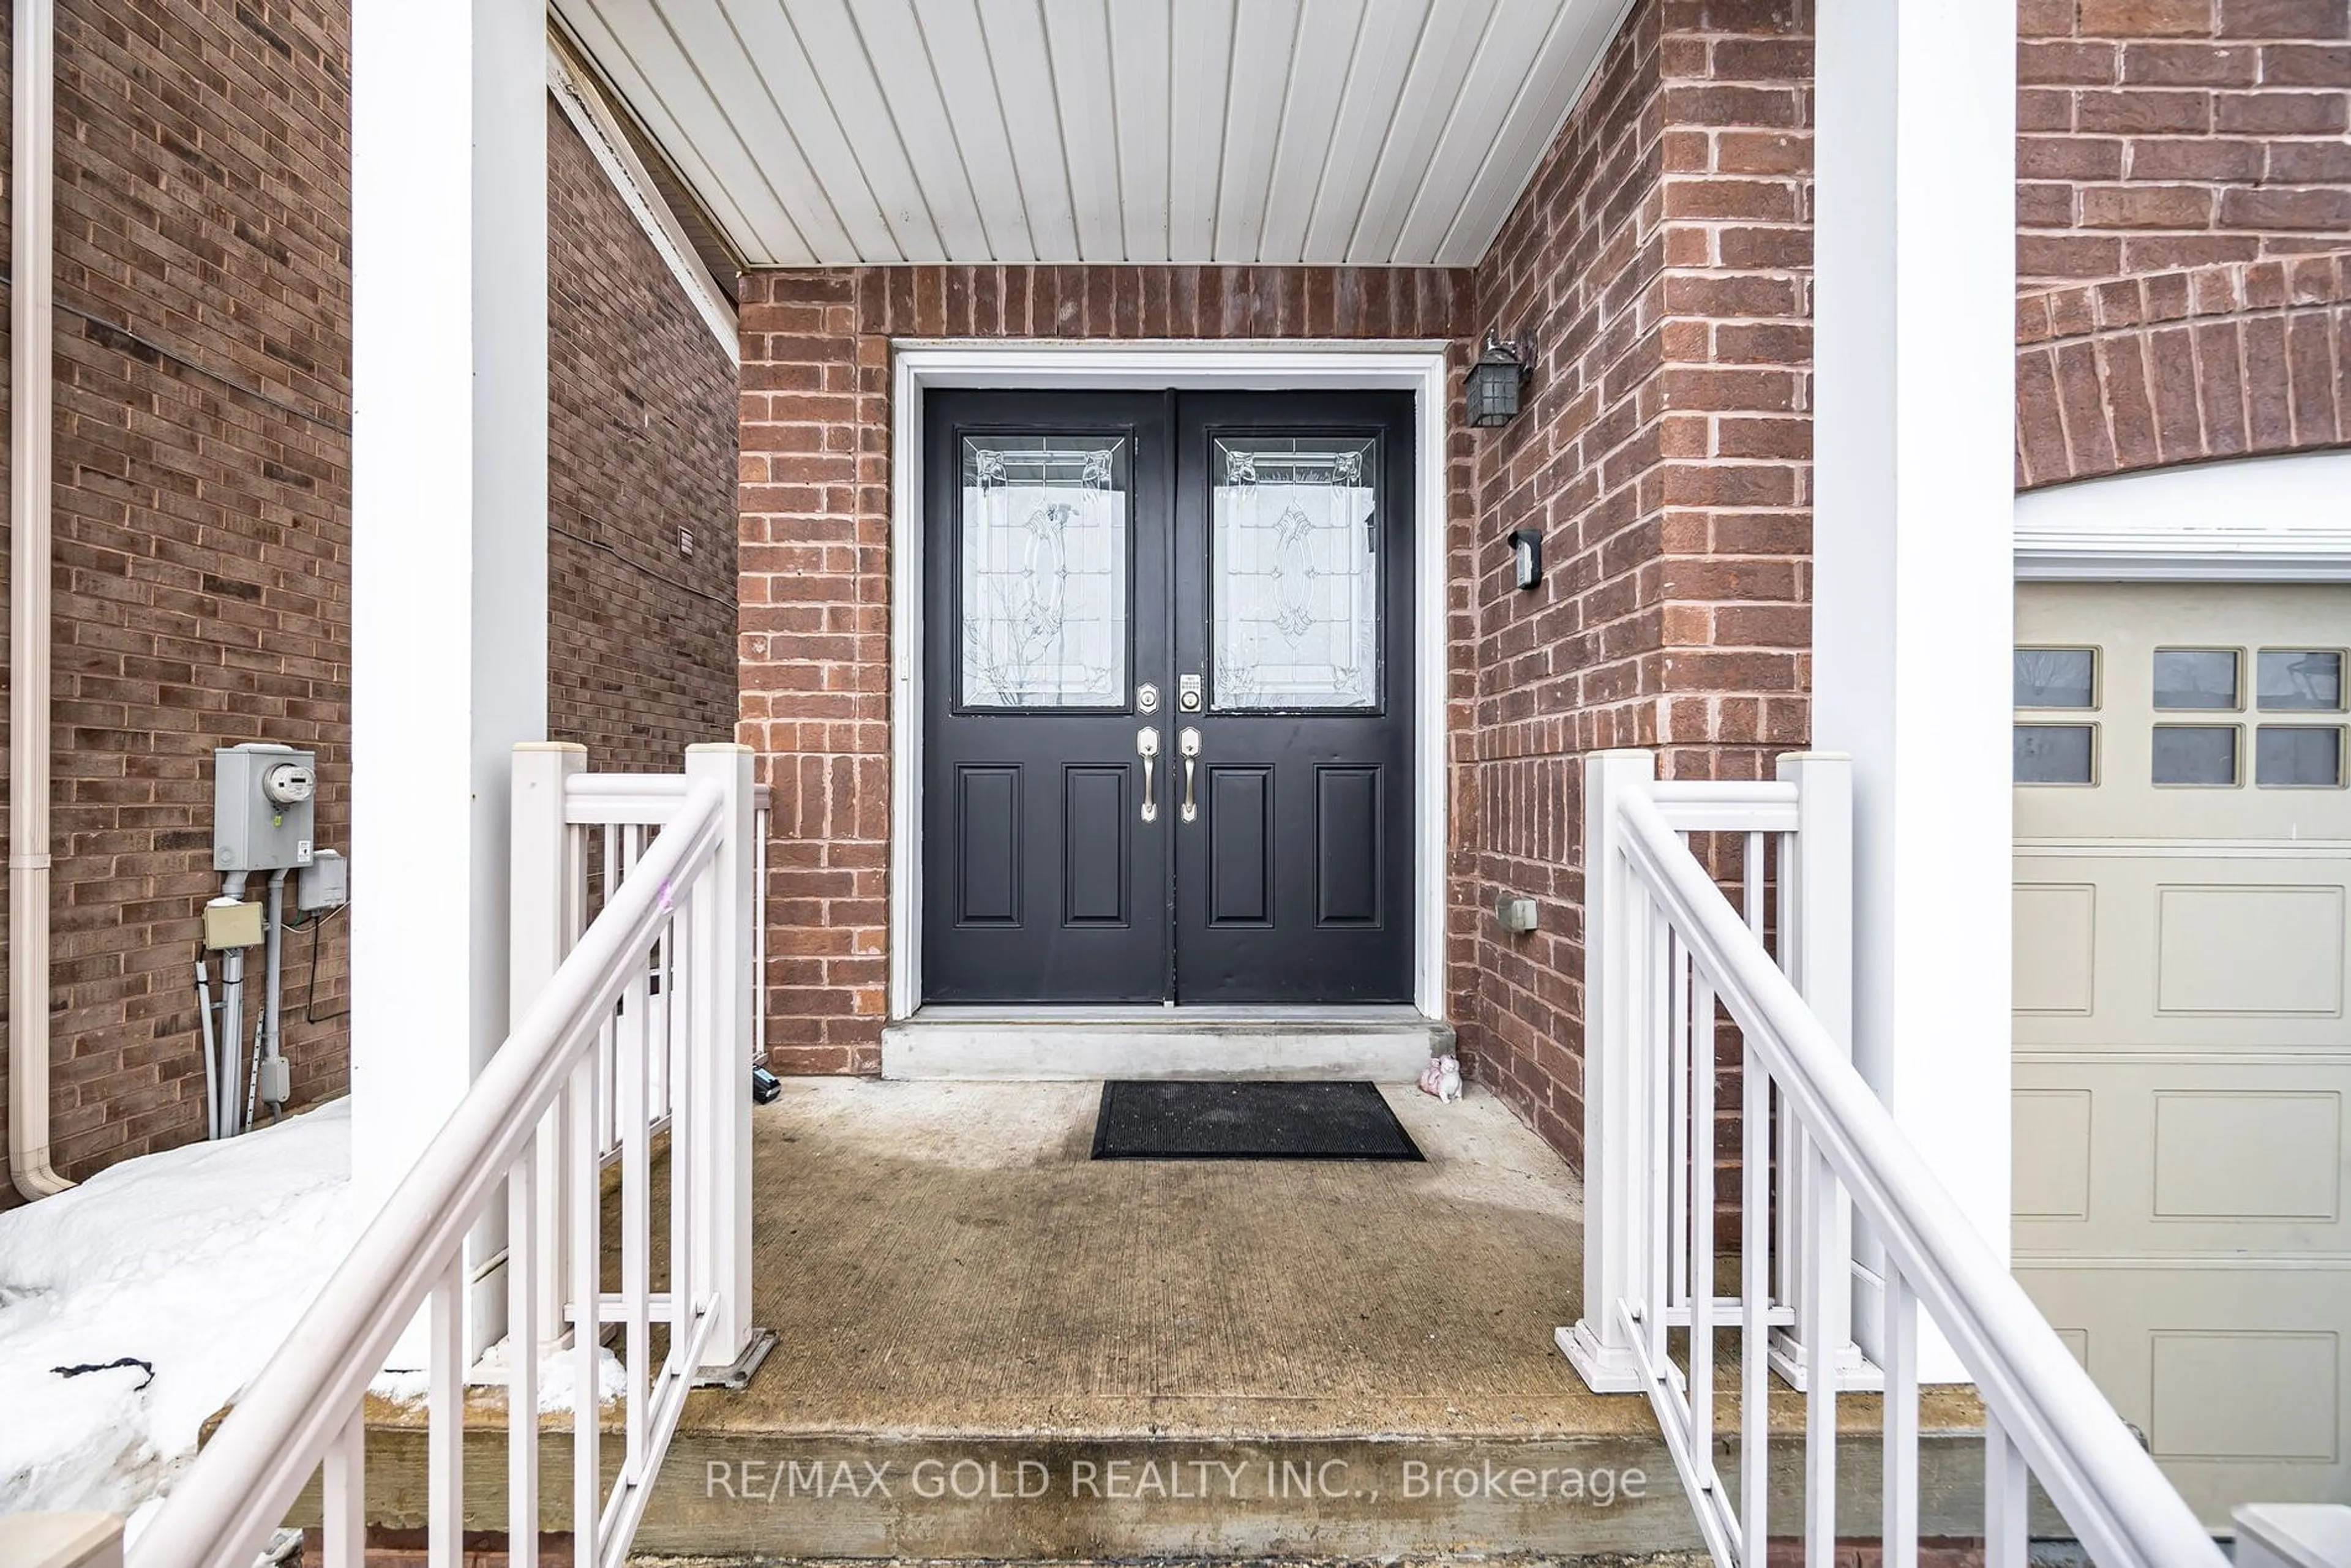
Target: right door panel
x=1294, y=588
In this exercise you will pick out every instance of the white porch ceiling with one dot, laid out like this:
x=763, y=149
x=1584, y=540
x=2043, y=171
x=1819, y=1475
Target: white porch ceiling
x=1372, y=132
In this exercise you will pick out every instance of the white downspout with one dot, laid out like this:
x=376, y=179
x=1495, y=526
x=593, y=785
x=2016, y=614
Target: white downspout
x=31, y=272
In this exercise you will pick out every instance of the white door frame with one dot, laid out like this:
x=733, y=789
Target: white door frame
x=1416, y=366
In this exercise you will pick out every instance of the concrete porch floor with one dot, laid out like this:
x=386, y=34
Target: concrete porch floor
x=948, y=1258
x=993, y=1346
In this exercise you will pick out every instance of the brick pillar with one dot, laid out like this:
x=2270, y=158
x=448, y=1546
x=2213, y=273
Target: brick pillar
x=814, y=588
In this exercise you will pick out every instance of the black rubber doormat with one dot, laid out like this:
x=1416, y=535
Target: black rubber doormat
x=1162, y=1120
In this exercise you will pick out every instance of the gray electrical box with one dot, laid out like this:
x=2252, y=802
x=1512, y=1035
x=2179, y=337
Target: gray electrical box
x=264, y=807
x=324, y=883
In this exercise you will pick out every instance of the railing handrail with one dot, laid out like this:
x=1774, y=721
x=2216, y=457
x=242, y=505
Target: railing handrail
x=248, y=1475
x=2108, y=1487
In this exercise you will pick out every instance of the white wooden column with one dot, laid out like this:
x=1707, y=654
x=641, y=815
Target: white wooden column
x=1914, y=350
x=449, y=539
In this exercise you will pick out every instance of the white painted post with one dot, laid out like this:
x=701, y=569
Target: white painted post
x=1914, y=353
x=721, y=1261
x=542, y=921
x=1617, y=1163
x=448, y=548
x=1816, y=946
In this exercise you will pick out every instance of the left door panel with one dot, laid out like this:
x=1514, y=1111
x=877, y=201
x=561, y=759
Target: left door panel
x=1046, y=545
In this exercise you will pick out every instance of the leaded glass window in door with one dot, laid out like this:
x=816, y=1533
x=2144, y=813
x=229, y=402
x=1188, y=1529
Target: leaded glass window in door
x=1044, y=572
x=1295, y=573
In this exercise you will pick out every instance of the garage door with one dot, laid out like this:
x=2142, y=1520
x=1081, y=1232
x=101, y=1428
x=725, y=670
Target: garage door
x=2183, y=864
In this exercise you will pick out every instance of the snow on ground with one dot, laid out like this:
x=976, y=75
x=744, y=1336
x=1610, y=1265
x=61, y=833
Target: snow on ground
x=198, y=1261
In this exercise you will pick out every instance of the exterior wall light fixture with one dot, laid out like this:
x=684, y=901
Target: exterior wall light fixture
x=1498, y=378
x=1526, y=557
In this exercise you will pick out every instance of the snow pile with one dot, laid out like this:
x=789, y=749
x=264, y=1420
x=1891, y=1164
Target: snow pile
x=198, y=1261
x=559, y=1377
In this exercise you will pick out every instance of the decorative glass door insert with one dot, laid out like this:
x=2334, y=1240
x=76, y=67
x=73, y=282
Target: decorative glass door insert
x=1044, y=572
x=1294, y=573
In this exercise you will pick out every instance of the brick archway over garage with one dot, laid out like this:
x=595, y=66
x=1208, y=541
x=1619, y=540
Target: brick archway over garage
x=2242, y=360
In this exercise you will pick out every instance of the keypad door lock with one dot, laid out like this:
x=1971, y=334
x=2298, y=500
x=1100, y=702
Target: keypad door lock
x=1188, y=692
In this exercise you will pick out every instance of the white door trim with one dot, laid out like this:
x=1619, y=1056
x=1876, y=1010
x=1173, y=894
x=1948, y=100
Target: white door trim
x=2254, y=519
x=1416, y=366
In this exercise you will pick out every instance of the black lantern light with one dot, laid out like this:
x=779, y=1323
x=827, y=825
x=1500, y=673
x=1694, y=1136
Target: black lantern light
x=1497, y=378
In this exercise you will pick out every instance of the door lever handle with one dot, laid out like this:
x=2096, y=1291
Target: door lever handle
x=1146, y=745
x=1190, y=741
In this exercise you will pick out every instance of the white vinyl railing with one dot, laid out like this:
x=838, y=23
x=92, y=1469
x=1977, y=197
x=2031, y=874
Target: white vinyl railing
x=608, y=819
x=524, y=1149
x=1676, y=972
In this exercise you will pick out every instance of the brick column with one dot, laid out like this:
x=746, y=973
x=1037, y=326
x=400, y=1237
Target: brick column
x=814, y=589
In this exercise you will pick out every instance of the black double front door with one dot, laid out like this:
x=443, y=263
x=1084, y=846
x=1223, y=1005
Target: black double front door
x=1168, y=677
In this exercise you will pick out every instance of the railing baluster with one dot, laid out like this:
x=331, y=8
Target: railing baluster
x=1898, y=1358
x=2005, y=1481
x=1657, y=1019
x=607, y=1046
x=683, y=1132
x=1755, y=1305
x=587, y=1216
x=522, y=1359
x=1700, y=1236
x=1822, y=1269
x=1750, y=876
x=342, y=1517
x=445, y=1416
x=636, y=1212
x=1677, y=1126
x=1787, y=1249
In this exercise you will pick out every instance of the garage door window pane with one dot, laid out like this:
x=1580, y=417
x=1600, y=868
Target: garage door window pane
x=2195, y=678
x=2300, y=679
x=2055, y=677
x=2297, y=757
x=2056, y=754
x=2196, y=754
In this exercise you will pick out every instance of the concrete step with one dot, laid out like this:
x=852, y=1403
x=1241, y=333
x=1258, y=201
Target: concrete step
x=1384, y=1044
x=797, y=1493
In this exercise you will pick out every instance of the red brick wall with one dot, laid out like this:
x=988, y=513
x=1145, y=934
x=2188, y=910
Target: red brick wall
x=202, y=514
x=1660, y=258
x=203, y=510
x=815, y=505
x=2161, y=134
x=640, y=444
x=2237, y=360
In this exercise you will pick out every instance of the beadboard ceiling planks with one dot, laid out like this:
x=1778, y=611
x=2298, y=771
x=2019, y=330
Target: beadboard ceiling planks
x=835, y=132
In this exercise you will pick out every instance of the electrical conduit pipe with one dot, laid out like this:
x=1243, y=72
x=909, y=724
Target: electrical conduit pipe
x=32, y=270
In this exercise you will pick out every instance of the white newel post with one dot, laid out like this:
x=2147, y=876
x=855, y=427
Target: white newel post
x=449, y=665
x=721, y=1263
x=1816, y=951
x=1913, y=433
x=545, y=923
x=1617, y=1160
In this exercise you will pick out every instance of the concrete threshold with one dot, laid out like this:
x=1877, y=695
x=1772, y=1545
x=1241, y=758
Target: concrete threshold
x=1382, y=1043
x=995, y=1347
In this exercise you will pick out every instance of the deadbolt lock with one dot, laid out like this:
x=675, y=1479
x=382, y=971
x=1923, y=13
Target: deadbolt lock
x=1188, y=692
x=1147, y=698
